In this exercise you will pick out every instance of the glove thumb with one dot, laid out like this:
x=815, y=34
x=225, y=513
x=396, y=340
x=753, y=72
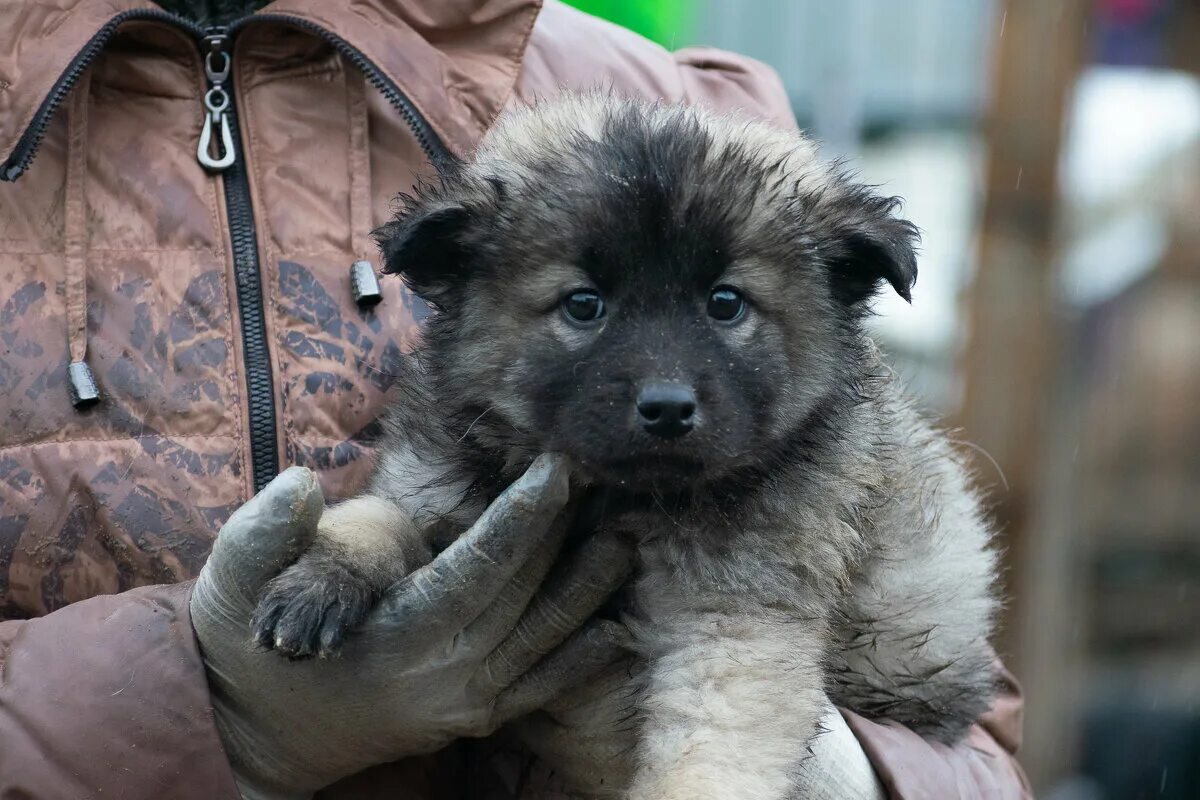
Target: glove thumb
x=263, y=536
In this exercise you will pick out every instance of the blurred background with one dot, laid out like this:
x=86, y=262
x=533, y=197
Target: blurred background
x=1050, y=152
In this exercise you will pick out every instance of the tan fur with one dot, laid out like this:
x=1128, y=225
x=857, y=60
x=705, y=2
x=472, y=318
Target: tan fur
x=544, y=288
x=373, y=527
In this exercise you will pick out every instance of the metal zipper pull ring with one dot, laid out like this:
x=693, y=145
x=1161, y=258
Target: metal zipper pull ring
x=216, y=100
x=216, y=76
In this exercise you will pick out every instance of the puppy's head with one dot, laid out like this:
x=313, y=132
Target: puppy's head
x=663, y=294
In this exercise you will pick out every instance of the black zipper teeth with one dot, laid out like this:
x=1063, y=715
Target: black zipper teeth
x=264, y=453
x=27, y=147
x=256, y=357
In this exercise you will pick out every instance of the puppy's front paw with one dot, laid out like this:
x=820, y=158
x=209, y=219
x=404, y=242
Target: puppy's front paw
x=307, y=610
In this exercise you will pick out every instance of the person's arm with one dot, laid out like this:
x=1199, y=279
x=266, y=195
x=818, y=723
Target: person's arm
x=108, y=698
x=160, y=692
x=982, y=765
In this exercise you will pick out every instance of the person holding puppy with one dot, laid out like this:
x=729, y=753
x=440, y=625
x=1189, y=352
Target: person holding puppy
x=187, y=303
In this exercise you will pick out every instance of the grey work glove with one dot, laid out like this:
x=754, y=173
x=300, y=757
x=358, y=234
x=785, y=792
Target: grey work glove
x=455, y=649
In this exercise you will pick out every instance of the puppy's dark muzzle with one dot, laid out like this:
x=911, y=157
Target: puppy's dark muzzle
x=666, y=410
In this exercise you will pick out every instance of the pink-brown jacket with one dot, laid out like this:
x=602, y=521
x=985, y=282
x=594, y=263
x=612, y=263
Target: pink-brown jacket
x=214, y=311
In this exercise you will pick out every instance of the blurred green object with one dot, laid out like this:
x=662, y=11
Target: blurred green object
x=668, y=22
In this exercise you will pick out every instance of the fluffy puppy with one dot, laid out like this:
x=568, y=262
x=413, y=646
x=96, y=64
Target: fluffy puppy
x=675, y=300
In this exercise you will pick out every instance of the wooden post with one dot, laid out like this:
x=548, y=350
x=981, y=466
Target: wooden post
x=1013, y=342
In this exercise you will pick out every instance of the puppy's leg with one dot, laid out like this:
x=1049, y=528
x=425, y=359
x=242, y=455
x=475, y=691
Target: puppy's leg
x=730, y=708
x=362, y=547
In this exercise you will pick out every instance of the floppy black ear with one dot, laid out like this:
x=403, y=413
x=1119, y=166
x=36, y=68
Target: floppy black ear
x=428, y=247
x=873, y=246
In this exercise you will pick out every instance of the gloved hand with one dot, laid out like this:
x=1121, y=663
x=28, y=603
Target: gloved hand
x=456, y=649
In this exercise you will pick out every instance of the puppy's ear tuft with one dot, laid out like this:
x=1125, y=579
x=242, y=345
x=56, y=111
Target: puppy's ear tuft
x=428, y=248
x=872, y=246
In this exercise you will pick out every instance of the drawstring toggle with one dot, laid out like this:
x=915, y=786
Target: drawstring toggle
x=217, y=62
x=83, y=385
x=364, y=284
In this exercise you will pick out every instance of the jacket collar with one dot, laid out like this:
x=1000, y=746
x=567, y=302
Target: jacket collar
x=456, y=60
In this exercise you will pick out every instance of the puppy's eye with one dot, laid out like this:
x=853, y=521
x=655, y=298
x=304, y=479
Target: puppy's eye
x=583, y=306
x=726, y=304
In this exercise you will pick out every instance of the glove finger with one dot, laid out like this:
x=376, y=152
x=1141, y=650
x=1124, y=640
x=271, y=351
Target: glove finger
x=465, y=578
x=499, y=619
x=590, y=649
x=571, y=595
x=263, y=536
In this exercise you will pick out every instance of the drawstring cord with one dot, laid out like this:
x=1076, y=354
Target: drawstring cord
x=364, y=283
x=82, y=383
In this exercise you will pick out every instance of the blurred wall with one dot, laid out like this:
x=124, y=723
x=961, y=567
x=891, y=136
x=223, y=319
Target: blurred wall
x=862, y=63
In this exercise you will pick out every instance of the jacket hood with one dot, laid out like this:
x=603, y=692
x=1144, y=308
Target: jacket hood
x=456, y=60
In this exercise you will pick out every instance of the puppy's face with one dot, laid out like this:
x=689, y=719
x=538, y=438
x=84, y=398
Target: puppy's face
x=663, y=295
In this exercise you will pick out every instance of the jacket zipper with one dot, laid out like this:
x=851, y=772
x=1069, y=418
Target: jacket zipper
x=27, y=146
x=256, y=356
x=218, y=61
x=221, y=120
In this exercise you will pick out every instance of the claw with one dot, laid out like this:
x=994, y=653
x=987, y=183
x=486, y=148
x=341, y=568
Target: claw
x=307, y=610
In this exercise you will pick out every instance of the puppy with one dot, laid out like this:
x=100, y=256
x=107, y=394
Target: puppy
x=675, y=300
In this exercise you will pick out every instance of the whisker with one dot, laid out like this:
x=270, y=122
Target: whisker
x=472, y=425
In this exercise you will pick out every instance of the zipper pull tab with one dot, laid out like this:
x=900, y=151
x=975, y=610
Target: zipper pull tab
x=216, y=100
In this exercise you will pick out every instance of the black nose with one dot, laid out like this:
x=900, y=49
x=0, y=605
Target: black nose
x=666, y=409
